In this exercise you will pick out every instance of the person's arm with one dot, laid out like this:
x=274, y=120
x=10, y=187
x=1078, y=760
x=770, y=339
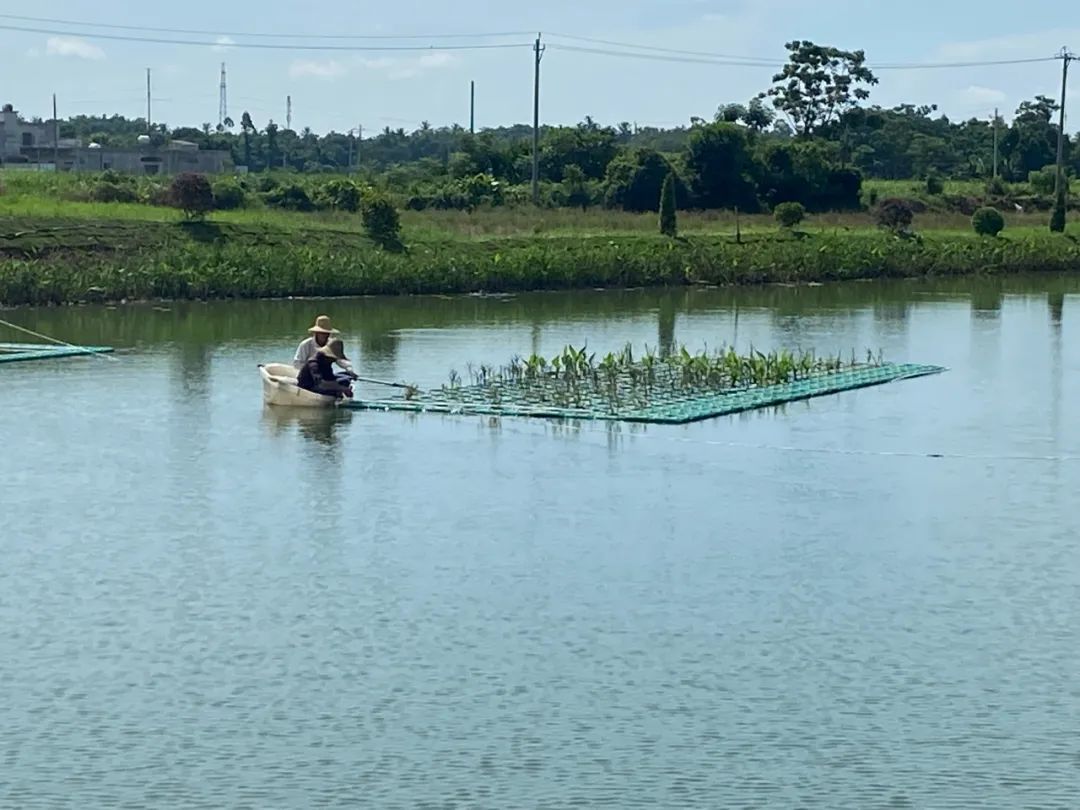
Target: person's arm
x=302, y=355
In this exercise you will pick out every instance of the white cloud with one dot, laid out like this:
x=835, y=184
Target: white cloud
x=222, y=43
x=73, y=46
x=309, y=68
x=398, y=69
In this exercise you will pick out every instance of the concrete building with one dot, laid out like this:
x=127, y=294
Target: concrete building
x=33, y=144
x=170, y=158
x=16, y=134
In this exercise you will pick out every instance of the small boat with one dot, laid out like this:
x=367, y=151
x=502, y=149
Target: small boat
x=280, y=388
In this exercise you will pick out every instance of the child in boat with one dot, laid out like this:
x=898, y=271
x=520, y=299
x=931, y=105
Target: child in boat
x=317, y=374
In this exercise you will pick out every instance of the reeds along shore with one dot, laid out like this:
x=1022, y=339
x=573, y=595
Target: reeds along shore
x=89, y=261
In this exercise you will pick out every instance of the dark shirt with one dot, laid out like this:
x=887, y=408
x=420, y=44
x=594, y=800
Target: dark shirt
x=316, y=373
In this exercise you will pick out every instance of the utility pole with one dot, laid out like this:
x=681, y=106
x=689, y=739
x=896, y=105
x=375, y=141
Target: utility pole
x=472, y=108
x=538, y=50
x=1059, y=179
x=996, y=119
x=148, y=126
x=223, y=106
x=288, y=127
x=56, y=136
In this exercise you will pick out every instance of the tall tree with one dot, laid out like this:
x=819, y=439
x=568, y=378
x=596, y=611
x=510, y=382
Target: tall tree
x=819, y=84
x=271, y=144
x=247, y=126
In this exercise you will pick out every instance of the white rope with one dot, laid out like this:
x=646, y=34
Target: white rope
x=87, y=349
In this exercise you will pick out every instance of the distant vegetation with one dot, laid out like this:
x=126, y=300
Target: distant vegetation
x=803, y=183
x=813, y=137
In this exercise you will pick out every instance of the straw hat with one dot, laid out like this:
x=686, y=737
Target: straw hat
x=322, y=326
x=335, y=350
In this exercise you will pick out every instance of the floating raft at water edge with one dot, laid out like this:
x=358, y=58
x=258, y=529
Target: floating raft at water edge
x=15, y=352
x=666, y=402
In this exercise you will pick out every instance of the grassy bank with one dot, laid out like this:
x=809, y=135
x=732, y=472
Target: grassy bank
x=70, y=259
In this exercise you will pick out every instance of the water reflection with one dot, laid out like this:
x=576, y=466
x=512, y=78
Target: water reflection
x=320, y=425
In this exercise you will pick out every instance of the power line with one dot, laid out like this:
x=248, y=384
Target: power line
x=677, y=51
x=705, y=57
x=255, y=35
x=940, y=65
x=697, y=60
x=266, y=45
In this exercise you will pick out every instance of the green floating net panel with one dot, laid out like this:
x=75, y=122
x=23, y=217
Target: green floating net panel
x=665, y=401
x=16, y=352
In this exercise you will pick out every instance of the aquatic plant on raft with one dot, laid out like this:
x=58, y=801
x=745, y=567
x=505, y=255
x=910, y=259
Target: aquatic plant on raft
x=576, y=378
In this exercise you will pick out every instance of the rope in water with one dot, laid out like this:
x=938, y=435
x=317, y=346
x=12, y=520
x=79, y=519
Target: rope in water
x=89, y=351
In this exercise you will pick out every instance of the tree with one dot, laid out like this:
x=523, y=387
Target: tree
x=721, y=168
x=731, y=113
x=247, y=127
x=576, y=187
x=668, y=218
x=381, y=221
x=819, y=84
x=1031, y=142
x=1057, y=218
x=587, y=145
x=271, y=144
x=758, y=117
x=192, y=194
x=635, y=179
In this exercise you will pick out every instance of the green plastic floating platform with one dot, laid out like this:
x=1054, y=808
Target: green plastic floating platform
x=671, y=407
x=16, y=352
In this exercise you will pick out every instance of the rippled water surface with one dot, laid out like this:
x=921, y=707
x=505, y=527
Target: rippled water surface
x=869, y=600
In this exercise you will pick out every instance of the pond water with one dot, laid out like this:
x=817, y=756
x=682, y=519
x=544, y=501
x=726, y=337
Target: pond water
x=866, y=600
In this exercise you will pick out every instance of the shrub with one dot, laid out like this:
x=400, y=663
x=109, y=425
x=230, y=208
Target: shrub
x=789, y=214
x=340, y=195
x=668, y=219
x=192, y=194
x=381, y=221
x=996, y=187
x=291, y=198
x=1057, y=218
x=229, y=195
x=895, y=214
x=105, y=192
x=934, y=184
x=988, y=222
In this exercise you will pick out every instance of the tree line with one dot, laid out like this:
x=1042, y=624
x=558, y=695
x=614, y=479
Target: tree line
x=811, y=137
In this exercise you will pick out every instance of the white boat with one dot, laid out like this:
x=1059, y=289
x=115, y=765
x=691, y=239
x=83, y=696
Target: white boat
x=280, y=388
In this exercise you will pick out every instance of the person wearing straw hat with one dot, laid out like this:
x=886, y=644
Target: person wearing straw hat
x=318, y=372
x=321, y=333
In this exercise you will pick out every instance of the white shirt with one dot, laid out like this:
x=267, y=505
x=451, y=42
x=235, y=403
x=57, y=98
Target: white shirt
x=306, y=350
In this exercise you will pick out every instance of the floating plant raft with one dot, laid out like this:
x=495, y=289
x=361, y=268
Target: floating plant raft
x=15, y=352
x=674, y=388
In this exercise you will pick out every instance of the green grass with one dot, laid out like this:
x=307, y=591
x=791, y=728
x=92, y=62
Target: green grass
x=57, y=250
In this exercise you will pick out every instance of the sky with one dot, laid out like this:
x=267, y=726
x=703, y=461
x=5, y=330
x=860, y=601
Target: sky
x=340, y=89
